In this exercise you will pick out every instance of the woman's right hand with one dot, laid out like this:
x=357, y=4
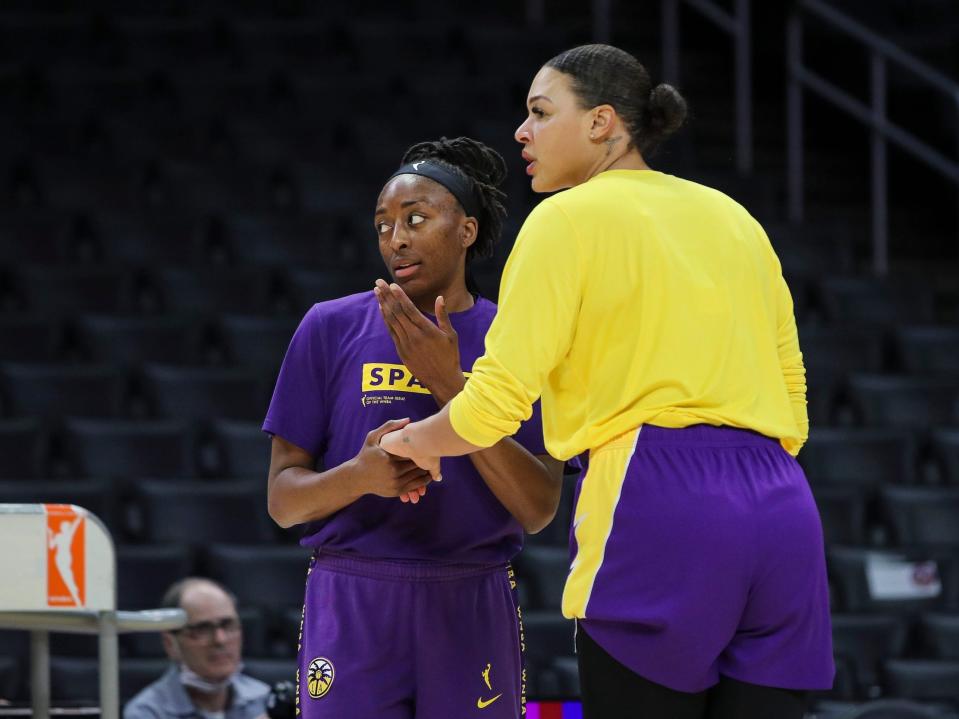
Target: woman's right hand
x=387, y=475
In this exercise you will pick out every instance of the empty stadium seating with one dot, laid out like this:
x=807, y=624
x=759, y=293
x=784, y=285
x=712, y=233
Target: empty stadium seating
x=132, y=341
x=204, y=393
x=124, y=449
x=200, y=512
x=21, y=446
x=175, y=192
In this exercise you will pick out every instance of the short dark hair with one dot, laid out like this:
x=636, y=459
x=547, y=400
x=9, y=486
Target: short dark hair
x=173, y=596
x=486, y=169
x=606, y=75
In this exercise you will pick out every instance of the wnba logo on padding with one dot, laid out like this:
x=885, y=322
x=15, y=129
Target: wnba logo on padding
x=319, y=677
x=66, y=545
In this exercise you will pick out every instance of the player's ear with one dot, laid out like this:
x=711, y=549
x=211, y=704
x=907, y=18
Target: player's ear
x=469, y=230
x=601, y=121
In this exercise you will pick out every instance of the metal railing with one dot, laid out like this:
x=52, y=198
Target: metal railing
x=873, y=115
x=737, y=26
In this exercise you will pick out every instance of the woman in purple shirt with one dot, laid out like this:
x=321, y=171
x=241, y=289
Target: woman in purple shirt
x=410, y=610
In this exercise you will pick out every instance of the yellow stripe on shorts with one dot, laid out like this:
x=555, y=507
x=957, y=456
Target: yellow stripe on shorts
x=593, y=518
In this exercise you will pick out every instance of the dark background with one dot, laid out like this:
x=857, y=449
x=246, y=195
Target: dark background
x=180, y=180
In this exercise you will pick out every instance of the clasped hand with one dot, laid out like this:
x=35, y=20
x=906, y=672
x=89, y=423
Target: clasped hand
x=431, y=353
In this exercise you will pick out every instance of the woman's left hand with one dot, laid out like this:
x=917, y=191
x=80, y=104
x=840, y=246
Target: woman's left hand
x=398, y=444
x=430, y=352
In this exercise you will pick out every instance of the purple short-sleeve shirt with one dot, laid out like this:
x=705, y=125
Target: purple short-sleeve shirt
x=341, y=378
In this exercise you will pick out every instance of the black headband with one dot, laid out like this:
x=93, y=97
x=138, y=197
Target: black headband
x=461, y=188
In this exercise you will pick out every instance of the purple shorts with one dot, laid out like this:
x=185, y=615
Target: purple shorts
x=698, y=552
x=409, y=640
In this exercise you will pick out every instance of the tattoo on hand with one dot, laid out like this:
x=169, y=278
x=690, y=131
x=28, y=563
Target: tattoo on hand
x=610, y=143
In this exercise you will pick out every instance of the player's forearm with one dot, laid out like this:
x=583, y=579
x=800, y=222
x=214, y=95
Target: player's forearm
x=299, y=495
x=521, y=483
x=431, y=437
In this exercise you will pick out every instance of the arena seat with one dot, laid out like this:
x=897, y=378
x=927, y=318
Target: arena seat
x=308, y=287
x=843, y=513
x=314, y=240
x=272, y=577
x=923, y=515
x=845, y=349
x=849, y=569
x=286, y=633
x=130, y=341
x=271, y=671
x=125, y=449
x=844, y=684
x=93, y=494
x=88, y=90
x=945, y=442
x=939, y=635
x=38, y=237
x=544, y=571
x=202, y=512
x=78, y=677
x=905, y=401
x=50, y=391
x=319, y=189
x=824, y=388
x=893, y=709
x=63, y=291
x=923, y=679
x=86, y=185
x=10, y=678
x=859, y=456
x=257, y=342
x=867, y=641
x=566, y=671
x=21, y=447
x=150, y=239
x=145, y=571
x=929, y=350
x=204, y=393
x=865, y=301
x=212, y=189
x=243, y=449
x=28, y=338
x=548, y=635
x=240, y=290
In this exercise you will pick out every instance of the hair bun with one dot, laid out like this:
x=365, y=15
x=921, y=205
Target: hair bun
x=666, y=112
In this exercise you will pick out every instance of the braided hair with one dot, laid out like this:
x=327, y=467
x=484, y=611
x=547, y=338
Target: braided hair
x=485, y=168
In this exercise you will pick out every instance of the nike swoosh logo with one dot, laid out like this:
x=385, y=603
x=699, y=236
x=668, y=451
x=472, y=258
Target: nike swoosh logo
x=416, y=165
x=482, y=704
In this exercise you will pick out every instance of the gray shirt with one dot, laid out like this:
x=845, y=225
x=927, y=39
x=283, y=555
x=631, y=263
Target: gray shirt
x=166, y=698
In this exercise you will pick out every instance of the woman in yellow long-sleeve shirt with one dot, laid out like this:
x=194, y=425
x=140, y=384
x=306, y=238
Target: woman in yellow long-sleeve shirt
x=651, y=315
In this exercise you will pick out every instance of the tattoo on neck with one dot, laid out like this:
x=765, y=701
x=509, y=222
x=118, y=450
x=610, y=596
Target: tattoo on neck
x=610, y=143
x=406, y=440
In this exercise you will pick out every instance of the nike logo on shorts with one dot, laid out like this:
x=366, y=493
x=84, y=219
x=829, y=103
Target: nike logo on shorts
x=483, y=703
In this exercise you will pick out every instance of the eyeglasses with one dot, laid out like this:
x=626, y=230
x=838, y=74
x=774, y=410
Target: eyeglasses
x=206, y=631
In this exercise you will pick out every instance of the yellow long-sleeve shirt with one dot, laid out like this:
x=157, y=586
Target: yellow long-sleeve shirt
x=638, y=297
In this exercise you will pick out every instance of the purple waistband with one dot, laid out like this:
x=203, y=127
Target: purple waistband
x=395, y=569
x=703, y=435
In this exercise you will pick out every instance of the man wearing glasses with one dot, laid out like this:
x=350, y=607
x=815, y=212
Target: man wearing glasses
x=205, y=680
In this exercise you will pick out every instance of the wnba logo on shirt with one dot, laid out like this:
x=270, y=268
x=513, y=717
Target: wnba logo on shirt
x=383, y=377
